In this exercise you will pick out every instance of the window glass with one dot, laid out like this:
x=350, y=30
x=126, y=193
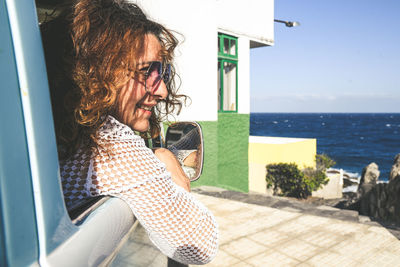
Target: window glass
x=227, y=73
x=226, y=45
x=232, y=49
x=229, y=46
x=229, y=92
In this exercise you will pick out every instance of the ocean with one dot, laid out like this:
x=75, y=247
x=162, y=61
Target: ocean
x=353, y=140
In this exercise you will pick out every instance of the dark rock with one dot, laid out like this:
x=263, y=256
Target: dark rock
x=350, y=195
x=395, y=171
x=349, y=201
x=363, y=189
x=381, y=200
x=370, y=174
x=348, y=182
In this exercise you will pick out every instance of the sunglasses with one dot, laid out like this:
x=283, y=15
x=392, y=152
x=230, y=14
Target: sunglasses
x=154, y=72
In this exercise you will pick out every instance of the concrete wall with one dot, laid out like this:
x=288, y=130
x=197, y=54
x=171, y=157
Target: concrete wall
x=333, y=189
x=253, y=19
x=197, y=24
x=196, y=56
x=243, y=75
x=266, y=150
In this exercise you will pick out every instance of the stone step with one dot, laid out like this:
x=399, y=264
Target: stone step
x=283, y=203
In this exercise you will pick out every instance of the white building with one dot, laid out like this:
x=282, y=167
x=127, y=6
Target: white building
x=213, y=61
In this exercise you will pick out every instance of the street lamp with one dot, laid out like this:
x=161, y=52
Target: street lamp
x=288, y=23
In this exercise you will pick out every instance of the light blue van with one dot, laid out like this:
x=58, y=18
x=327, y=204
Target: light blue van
x=35, y=227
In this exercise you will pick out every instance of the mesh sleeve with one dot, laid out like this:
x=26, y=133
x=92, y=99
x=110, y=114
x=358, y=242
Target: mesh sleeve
x=189, y=141
x=179, y=225
x=181, y=155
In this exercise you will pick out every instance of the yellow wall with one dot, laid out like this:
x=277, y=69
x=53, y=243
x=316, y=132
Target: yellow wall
x=300, y=152
x=277, y=150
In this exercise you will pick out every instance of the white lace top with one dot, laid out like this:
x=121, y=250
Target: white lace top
x=180, y=226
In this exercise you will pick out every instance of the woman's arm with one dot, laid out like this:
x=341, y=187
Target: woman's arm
x=174, y=167
x=179, y=225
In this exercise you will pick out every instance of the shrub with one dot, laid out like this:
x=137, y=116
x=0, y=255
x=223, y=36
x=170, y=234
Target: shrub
x=315, y=178
x=324, y=162
x=291, y=181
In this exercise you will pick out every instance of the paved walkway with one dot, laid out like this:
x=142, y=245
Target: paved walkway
x=291, y=234
x=255, y=235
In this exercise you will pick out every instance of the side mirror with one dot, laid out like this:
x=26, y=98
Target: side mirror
x=185, y=140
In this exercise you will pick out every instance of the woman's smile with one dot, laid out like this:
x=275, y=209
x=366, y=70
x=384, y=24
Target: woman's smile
x=145, y=110
x=135, y=104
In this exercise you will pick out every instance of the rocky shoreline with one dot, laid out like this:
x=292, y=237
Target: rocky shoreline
x=379, y=200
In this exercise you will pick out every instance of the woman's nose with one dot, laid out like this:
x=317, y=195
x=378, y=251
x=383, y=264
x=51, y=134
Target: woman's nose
x=161, y=90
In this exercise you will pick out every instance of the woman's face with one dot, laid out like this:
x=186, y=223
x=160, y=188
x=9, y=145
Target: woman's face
x=134, y=104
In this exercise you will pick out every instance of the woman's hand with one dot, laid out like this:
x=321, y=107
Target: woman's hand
x=174, y=167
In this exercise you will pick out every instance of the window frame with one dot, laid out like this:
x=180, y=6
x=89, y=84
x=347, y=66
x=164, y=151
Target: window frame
x=221, y=38
x=222, y=58
x=221, y=80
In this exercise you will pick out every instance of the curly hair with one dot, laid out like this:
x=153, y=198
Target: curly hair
x=91, y=48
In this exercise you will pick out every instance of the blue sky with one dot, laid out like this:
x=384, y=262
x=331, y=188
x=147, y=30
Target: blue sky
x=345, y=57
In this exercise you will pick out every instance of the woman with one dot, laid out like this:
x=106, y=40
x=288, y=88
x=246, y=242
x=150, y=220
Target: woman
x=110, y=75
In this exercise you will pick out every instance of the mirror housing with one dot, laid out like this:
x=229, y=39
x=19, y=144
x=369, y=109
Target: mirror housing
x=185, y=140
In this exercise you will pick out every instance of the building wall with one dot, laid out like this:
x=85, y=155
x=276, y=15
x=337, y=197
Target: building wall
x=226, y=150
x=243, y=75
x=232, y=130
x=253, y=19
x=233, y=135
x=266, y=150
x=210, y=163
x=196, y=59
x=197, y=24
